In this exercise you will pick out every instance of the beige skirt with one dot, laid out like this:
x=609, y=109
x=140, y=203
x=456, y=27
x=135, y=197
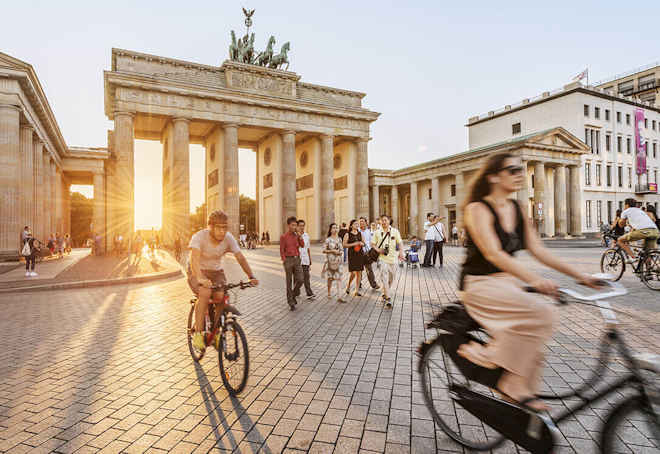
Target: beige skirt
x=520, y=323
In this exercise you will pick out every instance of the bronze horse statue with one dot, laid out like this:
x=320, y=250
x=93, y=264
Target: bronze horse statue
x=263, y=59
x=281, y=58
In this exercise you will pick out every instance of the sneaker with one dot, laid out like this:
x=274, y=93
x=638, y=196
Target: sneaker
x=311, y=297
x=198, y=341
x=341, y=299
x=33, y=274
x=27, y=274
x=388, y=304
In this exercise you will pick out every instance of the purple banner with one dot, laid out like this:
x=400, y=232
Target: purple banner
x=640, y=146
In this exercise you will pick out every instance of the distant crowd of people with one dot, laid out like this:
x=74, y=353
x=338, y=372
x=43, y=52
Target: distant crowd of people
x=32, y=248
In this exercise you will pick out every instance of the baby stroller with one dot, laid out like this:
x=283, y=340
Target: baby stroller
x=412, y=256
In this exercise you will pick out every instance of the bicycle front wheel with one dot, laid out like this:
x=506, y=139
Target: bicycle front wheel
x=651, y=270
x=196, y=354
x=436, y=369
x=632, y=427
x=234, y=358
x=611, y=262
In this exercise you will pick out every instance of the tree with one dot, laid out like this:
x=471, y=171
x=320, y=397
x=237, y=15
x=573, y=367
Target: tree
x=82, y=212
x=198, y=220
x=248, y=213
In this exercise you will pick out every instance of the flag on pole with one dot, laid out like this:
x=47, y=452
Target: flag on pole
x=582, y=75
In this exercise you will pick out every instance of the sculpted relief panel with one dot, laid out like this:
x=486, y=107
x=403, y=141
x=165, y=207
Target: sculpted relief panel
x=249, y=114
x=255, y=82
x=165, y=68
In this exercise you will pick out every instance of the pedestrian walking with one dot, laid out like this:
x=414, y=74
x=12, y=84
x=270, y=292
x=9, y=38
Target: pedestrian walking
x=332, y=269
x=267, y=238
x=429, y=239
x=385, y=241
x=290, y=244
x=31, y=247
x=353, y=242
x=305, y=258
x=366, y=239
x=454, y=235
x=438, y=240
x=342, y=233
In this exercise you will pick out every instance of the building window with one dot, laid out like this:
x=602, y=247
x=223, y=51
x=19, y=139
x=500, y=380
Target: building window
x=618, y=117
x=621, y=205
x=597, y=112
x=607, y=114
x=599, y=212
x=619, y=148
x=452, y=190
x=628, y=145
x=609, y=212
x=646, y=123
x=627, y=119
x=532, y=181
x=515, y=128
x=588, y=213
x=620, y=176
x=587, y=174
x=653, y=125
x=430, y=193
x=597, y=144
x=655, y=149
x=608, y=142
x=630, y=177
x=597, y=169
x=592, y=139
x=586, y=110
x=608, y=175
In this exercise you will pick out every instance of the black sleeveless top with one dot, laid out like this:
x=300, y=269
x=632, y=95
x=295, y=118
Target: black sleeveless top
x=476, y=264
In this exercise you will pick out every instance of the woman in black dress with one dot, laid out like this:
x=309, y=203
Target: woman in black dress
x=353, y=242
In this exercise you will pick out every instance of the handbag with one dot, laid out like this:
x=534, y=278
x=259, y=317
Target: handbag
x=26, y=251
x=372, y=255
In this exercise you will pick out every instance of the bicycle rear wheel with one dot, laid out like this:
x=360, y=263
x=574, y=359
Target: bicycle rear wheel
x=632, y=427
x=234, y=358
x=611, y=262
x=651, y=270
x=196, y=354
x=436, y=369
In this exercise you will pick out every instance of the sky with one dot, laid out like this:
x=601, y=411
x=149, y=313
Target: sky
x=426, y=66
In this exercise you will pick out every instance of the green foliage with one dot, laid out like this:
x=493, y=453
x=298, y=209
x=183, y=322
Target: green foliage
x=248, y=213
x=82, y=211
x=198, y=219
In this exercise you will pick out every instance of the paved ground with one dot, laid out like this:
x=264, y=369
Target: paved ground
x=108, y=369
x=80, y=266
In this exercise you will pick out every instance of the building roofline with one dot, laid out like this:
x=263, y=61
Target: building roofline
x=628, y=73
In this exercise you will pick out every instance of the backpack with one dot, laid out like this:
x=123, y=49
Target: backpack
x=27, y=250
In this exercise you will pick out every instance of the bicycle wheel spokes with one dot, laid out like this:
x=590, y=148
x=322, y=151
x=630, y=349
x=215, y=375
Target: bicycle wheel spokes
x=651, y=270
x=196, y=354
x=437, y=371
x=611, y=262
x=234, y=358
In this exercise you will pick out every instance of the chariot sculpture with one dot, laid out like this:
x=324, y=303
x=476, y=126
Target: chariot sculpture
x=242, y=49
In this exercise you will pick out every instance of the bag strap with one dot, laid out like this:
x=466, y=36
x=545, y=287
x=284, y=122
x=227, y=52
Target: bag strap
x=435, y=226
x=383, y=240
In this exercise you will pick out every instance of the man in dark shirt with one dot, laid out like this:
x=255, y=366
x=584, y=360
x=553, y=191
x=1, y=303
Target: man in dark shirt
x=290, y=243
x=342, y=232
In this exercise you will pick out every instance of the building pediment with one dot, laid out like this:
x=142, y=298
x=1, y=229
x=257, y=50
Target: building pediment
x=7, y=61
x=558, y=138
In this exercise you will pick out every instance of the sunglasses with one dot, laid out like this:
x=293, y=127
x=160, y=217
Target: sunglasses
x=513, y=169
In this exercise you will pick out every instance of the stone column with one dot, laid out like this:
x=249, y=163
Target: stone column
x=414, y=214
x=394, y=200
x=375, y=202
x=53, y=197
x=10, y=228
x=435, y=195
x=180, y=178
x=288, y=176
x=539, y=196
x=523, y=193
x=123, y=197
x=576, y=201
x=47, y=201
x=59, y=225
x=561, y=212
x=66, y=188
x=327, y=186
x=460, y=197
x=230, y=177
x=38, y=189
x=362, y=178
x=27, y=176
x=99, y=207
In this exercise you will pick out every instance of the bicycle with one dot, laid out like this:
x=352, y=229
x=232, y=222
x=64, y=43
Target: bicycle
x=608, y=238
x=459, y=395
x=646, y=266
x=233, y=354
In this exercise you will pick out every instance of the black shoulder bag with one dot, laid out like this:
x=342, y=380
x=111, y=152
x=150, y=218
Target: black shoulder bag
x=372, y=255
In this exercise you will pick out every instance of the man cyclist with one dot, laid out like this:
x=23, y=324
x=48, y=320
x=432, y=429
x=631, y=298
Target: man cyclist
x=643, y=228
x=205, y=269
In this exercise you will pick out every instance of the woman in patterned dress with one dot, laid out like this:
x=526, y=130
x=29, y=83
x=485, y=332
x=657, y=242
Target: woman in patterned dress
x=333, y=250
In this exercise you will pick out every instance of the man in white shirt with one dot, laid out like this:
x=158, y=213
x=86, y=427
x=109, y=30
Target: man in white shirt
x=643, y=228
x=366, y=239
x=429, y=236
x=305, y=258
x=438, y=239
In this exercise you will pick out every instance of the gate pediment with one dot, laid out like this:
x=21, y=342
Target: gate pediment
x=240, y=76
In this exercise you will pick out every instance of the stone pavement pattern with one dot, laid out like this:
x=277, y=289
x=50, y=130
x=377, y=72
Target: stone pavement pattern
x=108, y=369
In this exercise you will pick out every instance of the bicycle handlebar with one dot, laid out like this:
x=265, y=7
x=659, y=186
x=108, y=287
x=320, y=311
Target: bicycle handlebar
x=613, y=289
x=242, y=285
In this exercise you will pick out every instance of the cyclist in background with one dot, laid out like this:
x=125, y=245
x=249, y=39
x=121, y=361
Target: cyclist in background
x=208, y=246
x=643, y=228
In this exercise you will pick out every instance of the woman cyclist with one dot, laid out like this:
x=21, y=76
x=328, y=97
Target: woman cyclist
x=518, y=322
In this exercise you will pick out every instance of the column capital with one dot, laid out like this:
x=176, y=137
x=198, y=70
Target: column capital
x=124, y=113
x=230, y=125
x=288, y=131
x=362, y=139
x=180, y=119
x=326, y=136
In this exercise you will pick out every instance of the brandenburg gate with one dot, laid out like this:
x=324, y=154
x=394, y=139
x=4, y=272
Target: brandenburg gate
x=310, y=141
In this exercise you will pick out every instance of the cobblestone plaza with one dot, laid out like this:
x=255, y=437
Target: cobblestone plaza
x=108, y=369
